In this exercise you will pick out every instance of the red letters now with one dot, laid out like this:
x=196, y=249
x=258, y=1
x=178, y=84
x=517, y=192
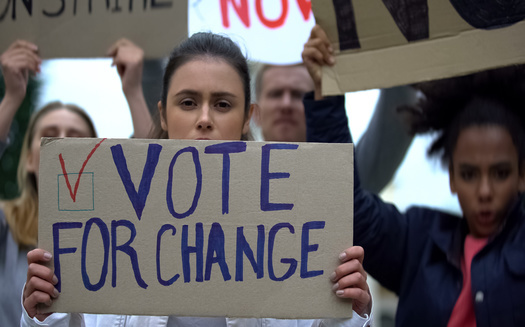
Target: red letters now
x=241, y=8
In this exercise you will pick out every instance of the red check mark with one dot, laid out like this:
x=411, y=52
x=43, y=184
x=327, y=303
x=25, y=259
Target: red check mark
x=73, y=194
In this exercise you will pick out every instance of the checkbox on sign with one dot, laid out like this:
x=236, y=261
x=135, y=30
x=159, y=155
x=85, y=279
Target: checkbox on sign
x=85, y=196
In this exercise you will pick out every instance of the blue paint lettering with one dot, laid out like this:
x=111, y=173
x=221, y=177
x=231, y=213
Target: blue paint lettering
x=138, y=199
x=244, y=247
x=266, y=176
x=173, y=279
x=57, y=250
x=271, y=242
x=198, y=187
x=198, y=249
x=126, y=248
x=216, y=252
x=306, y=247
x=225, y=149
x=105, y=240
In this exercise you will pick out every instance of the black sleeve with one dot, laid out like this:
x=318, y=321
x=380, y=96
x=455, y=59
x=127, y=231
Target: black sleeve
x=326, y=120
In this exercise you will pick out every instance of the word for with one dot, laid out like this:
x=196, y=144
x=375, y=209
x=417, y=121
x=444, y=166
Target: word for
x=241, y=8
x=55, y=8
x=412, y=17
x=138, y=197
x=216, y=253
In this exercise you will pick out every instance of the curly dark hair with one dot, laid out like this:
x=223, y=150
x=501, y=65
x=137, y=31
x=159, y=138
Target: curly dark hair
x=492, y=97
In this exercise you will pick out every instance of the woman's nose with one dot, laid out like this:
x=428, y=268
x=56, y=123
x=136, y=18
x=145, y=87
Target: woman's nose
x=205, y=122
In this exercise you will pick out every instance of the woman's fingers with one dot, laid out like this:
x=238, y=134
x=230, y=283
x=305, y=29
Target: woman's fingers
x=40, y=283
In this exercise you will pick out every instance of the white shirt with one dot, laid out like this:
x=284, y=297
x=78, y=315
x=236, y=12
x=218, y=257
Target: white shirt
x=92, y=320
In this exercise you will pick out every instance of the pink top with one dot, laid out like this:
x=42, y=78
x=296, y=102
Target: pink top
x=463, y=313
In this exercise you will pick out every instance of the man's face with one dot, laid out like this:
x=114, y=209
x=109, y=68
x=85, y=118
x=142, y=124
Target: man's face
x=281, y=110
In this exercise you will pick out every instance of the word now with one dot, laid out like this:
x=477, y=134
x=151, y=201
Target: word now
x=242, y=10
x=55, y=8
x=204, y=261
x=139, y=196
x=413, y=18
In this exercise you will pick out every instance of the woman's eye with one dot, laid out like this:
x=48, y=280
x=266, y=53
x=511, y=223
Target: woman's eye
x=223, y=105
x=502, y=174
x=49, y=133
x=188, y=104
x=467, y=175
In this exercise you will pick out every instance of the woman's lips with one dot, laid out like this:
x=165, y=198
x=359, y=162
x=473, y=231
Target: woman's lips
x=285, y=121
x=486, y=217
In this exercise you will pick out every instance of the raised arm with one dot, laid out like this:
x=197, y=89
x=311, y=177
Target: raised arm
x=317, y=52
x=129, y=59
x=19, y=61
x=383, y=146
x=386, y=140
x=326, y=119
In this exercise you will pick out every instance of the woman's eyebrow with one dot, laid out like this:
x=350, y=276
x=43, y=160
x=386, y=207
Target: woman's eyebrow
x=467, y=166
x=187, y=92
x=223, y=94
x=502, y=165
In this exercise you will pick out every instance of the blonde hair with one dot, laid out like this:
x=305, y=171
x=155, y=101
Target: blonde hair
x=22, y=213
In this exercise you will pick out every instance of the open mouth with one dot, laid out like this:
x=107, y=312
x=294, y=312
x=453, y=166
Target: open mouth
x=486, y=217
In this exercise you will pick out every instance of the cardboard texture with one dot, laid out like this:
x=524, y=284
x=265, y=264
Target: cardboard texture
x=74, y=29
x=384, y=43
x=144, y=236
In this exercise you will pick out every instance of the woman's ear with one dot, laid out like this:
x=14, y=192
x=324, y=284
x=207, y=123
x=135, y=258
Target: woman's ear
x=246, y=128
x=255, y=112
x=30, y=162
x=161, y=116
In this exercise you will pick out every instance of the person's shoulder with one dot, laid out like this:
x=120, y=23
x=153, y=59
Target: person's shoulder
x=427, y=215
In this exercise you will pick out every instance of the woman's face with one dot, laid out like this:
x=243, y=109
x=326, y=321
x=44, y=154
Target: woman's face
x=486, y=176
x=56, y=123
x=205, y=102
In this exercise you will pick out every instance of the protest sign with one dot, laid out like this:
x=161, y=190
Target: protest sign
x=74, y=28
x=196, y=228
x=383, y=43
x=272, y=31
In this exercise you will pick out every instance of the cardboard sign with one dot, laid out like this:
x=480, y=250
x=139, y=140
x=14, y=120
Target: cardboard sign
x=273, y=32
x=196, y=228
x=383, y=43
x=88, y=28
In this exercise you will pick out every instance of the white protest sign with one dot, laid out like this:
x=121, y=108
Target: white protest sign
x=383, y=43
x=196, y=228
x=74, y=28
x=271, y=31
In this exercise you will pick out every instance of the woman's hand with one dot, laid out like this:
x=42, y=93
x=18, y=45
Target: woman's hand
x=20, y=59
x=350, y=280
x=317, y=53
x=129, y=59
x=40, y=283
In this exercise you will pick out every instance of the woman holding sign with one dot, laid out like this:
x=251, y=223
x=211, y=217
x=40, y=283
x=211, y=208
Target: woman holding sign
x=19, y=217
x=449, y=270
x=206, y=95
